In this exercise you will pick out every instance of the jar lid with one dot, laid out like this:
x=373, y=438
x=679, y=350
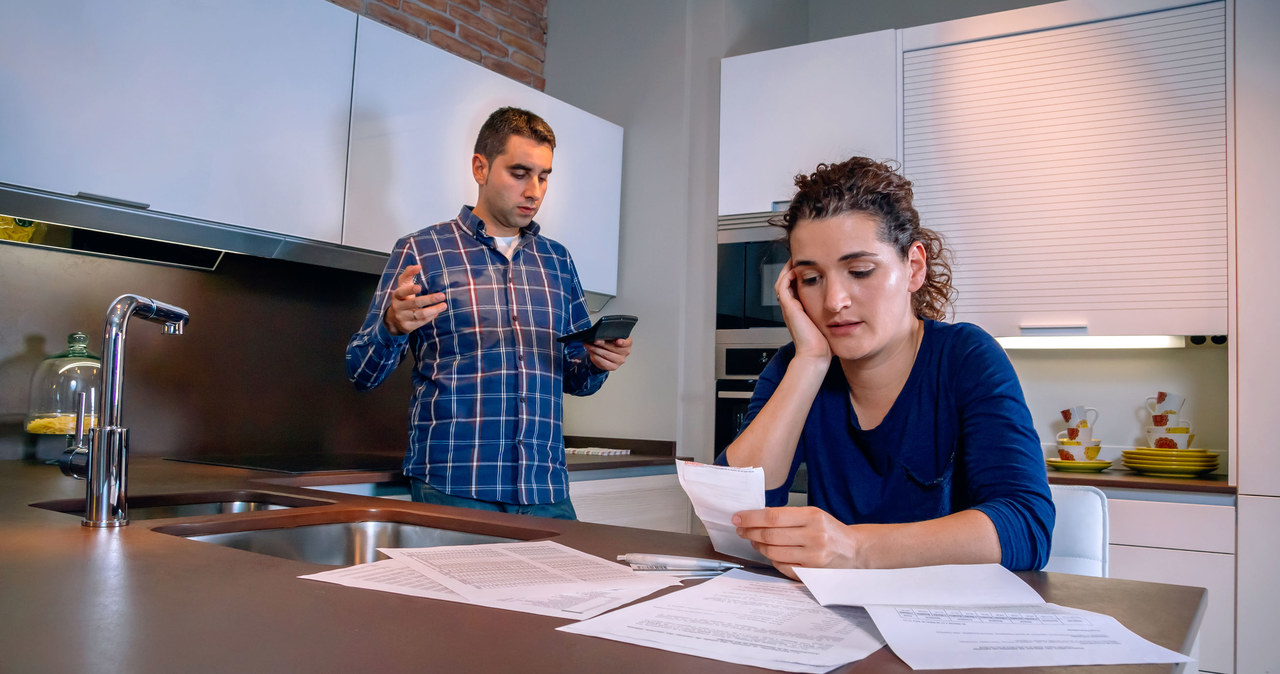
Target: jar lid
x=77, y=347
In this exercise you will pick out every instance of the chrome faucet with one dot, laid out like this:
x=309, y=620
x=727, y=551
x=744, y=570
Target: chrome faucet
x=108, y=447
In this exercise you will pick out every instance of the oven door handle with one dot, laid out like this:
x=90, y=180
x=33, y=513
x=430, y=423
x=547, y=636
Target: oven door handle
x=741, y=395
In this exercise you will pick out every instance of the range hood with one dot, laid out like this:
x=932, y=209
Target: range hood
x=174, y=232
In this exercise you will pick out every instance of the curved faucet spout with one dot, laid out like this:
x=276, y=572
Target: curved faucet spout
x=105, y=503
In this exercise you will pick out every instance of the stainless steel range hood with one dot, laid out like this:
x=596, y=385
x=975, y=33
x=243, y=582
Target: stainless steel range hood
x=86, y=213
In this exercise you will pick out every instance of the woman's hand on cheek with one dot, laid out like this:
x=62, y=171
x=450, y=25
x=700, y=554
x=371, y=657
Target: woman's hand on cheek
x=792, y=537
x=809, y=340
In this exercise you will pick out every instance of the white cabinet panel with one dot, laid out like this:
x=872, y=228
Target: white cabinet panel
x=646, y=502
x=234, y=112
x=1257, y=649
x=416, y=112
x=784, y=111
x=1257, y=97
x=1213, y=571
x=1079, y=173
x=1182, y=526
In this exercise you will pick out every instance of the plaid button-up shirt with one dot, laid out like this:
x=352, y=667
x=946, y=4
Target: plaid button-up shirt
x=488, y=375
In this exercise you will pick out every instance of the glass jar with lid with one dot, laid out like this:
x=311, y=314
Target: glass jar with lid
x=55, y=385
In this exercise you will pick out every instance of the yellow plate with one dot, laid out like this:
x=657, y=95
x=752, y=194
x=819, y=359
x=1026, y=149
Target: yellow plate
x=1171, y=471
x=1159, y=463
x=1152, y=451
x=1078, y=466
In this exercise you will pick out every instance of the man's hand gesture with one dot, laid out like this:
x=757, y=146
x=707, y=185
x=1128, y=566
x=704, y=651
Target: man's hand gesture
x=408, y=310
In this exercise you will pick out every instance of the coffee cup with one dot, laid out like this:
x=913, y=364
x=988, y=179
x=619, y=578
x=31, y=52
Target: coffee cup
x=1164, y=419
x=1082, y=435
x=1071, y=450
x=1080, y=416
x=1165, y=403
x=1160, y=438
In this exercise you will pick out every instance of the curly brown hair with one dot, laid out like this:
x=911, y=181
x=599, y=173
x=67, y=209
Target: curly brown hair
x=862, y=185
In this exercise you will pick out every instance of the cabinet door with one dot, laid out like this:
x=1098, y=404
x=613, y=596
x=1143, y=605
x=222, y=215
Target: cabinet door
x=1259, y=601
x=784, y=111
x=416, y=112
x=1078, y=172
x=1213, y=571
x=1257, y=240
x=234, y=112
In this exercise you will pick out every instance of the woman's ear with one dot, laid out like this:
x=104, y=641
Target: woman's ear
x=918, y=261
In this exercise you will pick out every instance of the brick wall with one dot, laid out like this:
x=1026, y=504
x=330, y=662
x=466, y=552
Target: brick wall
x=505, y=36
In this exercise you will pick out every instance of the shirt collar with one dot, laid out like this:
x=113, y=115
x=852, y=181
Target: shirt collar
x=473, y=224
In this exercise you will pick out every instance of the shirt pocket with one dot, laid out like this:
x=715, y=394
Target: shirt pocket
x=925, y=473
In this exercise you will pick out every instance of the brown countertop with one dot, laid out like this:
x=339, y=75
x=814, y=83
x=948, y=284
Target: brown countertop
x=136, y=600
x=1121, y=478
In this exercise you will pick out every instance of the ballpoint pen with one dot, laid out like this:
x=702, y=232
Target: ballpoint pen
x=652, y=562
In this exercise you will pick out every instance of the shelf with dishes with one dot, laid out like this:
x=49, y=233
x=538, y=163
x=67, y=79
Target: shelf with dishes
x=1169, y=438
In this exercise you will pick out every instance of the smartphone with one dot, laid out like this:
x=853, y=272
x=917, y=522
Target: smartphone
x=613, y=326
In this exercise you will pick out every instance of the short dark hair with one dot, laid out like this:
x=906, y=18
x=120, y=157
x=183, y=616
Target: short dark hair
x=507, y=122
x=862, y=185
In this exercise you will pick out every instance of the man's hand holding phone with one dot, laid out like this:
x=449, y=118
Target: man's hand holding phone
x=408, y=310
x=610, y=354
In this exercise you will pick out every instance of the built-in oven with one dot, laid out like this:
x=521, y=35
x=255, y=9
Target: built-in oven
x=737, y=368
x=748, y=261
x=749, y=325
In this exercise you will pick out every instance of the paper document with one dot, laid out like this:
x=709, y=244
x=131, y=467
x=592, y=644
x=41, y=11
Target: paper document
x=393, y=575
x=952, y=637
x=948, y=584
x=496, y=571
x=717, y=492
x=958, y=616
x=743, y=618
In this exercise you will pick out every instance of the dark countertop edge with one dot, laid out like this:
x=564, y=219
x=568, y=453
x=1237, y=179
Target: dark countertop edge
x=1124, y=479
x=575, y=463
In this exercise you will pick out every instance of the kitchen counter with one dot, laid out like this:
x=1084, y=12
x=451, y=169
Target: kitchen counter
x=137, y=600
x=1126, y=479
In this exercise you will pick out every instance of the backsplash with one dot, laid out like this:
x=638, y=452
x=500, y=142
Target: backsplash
x=259, y=370
x=1117, y=383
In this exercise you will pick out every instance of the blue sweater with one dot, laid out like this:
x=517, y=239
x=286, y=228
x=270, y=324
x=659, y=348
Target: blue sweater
x=959, y=436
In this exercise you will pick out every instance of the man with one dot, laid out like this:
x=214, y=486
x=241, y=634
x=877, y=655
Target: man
x=479, y=301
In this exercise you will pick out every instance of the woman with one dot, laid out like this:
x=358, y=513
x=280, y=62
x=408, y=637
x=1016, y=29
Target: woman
x=919, y=446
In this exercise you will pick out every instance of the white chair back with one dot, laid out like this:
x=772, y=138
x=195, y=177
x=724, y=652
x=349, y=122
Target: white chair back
x=1080, y=531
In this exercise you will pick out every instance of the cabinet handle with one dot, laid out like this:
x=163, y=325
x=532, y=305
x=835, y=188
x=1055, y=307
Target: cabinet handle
x=114, y=201
x=1055, y=330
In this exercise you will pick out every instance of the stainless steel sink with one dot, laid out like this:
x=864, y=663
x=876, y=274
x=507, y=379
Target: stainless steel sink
x=344, y=543
x=343, y=538
x=191, y=504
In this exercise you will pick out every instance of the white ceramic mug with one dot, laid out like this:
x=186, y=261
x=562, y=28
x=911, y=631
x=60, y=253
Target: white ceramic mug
x=1073, y=435
x=1078, y=416
x=1163, y=440
x=1168, y=420
x=1166, y=403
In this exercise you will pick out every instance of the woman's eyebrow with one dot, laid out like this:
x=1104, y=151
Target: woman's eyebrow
x=843, y=258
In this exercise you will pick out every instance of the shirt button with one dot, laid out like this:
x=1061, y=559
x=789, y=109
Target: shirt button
x=522, y=400
x=519, y=356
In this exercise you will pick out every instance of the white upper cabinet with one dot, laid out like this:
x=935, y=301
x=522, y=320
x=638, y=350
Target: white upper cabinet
x=1077, y=165
x=784, y=111
x=415, y=114
x=235, y=112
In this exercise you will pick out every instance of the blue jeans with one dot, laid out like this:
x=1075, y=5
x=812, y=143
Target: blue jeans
x=425, y=493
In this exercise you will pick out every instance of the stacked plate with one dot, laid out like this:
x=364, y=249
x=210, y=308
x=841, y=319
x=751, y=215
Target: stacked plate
x=1170, y=462
x=1078, y=466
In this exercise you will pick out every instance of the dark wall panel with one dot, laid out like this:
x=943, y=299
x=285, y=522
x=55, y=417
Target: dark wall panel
x=259, y=370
